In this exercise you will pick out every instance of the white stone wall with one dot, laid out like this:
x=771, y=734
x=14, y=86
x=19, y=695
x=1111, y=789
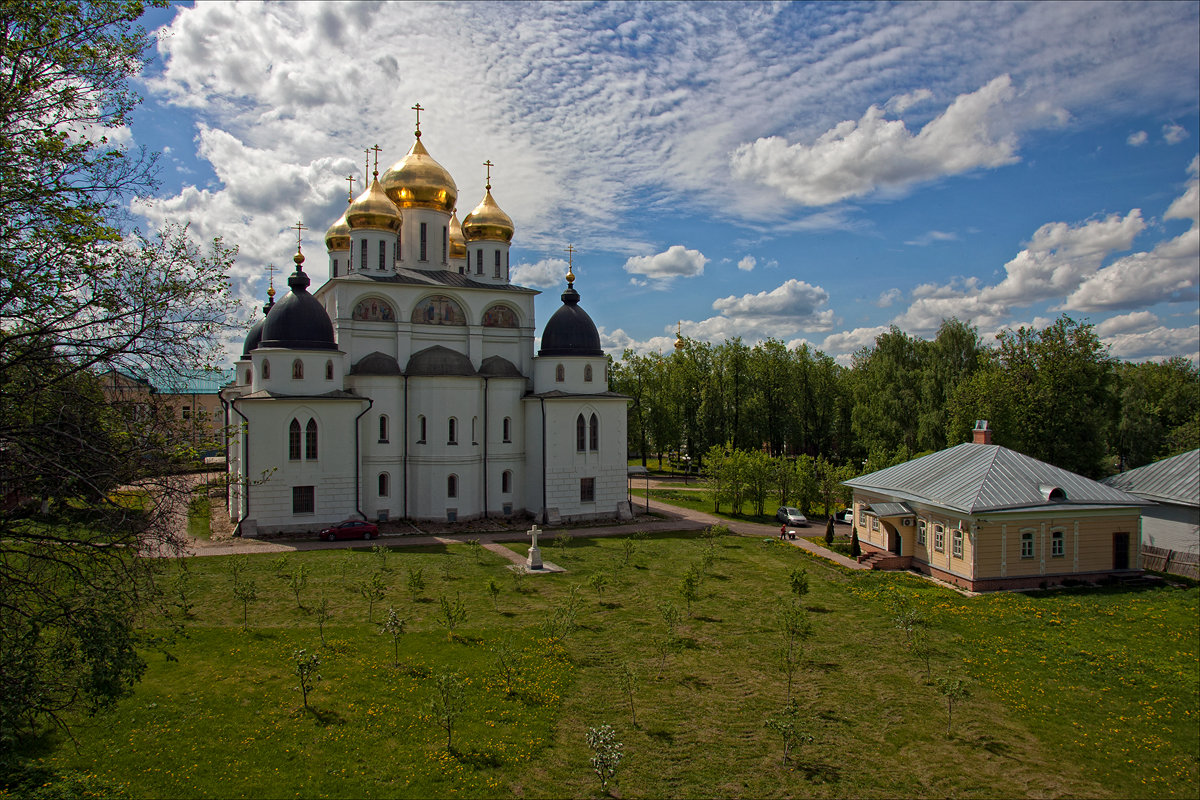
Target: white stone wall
x=574, y=381
x=314, y=363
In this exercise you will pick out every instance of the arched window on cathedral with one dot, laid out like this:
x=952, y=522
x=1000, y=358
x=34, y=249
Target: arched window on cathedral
x=297, y=370
x=594, y=434
x=328, y=370
x=421, y=429
x=294, y=440
x=507, y=429
x=310, y=440
x=383, y=484
x=266, y=370
x=560, y=374
x=587, y=373
x=383, y=428
x=452, y=486
x=452, y=431
x=506, y=481
x=496, y=269
x=474, y=424
x=580, y=433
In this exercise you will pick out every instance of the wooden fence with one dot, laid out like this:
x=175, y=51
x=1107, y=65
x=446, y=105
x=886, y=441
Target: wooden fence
x=1176, y=562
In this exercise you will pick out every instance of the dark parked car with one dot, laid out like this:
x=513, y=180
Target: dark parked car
x=791, y=516
x=351, y=529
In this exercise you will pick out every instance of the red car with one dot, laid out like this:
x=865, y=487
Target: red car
x=350, y=529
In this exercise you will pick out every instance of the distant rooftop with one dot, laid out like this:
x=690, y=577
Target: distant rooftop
x=1172, y=480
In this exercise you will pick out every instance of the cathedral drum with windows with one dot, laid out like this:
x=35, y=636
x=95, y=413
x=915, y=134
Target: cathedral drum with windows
x=407, y=387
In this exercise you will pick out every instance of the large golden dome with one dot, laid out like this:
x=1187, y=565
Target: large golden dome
x=338, y=235
x=487, y=221
x=417, y=181
x=458, y=243
x=373, y=209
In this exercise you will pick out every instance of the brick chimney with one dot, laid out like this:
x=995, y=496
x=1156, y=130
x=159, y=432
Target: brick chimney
x=982, y=434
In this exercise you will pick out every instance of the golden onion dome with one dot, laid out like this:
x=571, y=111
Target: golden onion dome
x=458, y=242
x=417, y=181
x=487, y=221
x=338, y=235
x=373, y=209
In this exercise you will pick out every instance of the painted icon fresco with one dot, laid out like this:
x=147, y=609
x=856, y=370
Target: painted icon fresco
x=374, y=310
x=500, y=317
x=438, y=309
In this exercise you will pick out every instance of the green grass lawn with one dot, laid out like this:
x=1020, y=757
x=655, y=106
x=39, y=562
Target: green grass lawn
x=699, y=501
x=199, y=524
x=1073, y=693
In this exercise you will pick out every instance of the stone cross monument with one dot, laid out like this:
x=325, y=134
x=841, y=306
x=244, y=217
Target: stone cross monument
x=535, y=554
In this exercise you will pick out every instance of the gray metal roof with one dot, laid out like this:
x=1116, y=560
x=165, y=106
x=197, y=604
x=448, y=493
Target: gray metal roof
x=889, y=510
x=974, y=478
x=1173, y=480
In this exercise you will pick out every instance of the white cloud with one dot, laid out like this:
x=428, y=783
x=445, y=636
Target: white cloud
x=675, y=262
x=542, y=274
x=1134, y=322
x=845, y=344
x=1156, y=344
x=747, y=264
x=854, y=159
x=931, y=237
x=888, y=297
x=903, y=102
x=1137, y=139
x=793, y=299
x=1174, y=134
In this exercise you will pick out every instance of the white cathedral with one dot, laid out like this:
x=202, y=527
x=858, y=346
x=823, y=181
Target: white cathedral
x=406, y=386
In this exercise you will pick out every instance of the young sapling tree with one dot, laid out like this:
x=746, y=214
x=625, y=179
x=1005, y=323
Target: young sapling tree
x=628, y=679
x=323, y=614
x=246, y=591
x=308, y=670
x=416, y=582
x=493, y=590
x=298, y=580
x=955, y=691
x=451, y=614
x=787, y=725
x=446, y=705
x=606, y=753
x=372, y=590
x=393, y=626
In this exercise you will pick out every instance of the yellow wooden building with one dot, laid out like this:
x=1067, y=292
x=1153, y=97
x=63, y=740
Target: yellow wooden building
x=984, y=517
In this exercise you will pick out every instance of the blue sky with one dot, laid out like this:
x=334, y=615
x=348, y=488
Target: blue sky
x=809, y=172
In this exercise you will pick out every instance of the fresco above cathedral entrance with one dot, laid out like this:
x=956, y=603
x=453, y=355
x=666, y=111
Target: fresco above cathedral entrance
x=374, y=310
x=438, y=309
x=500, y=317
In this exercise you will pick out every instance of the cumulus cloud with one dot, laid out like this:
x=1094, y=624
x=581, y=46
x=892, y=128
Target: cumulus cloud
x=794, y=299
x=676, y=261
x=1174, y=134
x=747, y=264
x=1156, y=344
x=1134, y=322
x=1167, y=272
x=845, y=344
x=888, y=297
x=541, y=274
x=903, y=102
x=854, y=159
x=1137, y=139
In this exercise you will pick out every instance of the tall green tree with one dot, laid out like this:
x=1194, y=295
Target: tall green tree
x=81, y=295
x=1157, y=403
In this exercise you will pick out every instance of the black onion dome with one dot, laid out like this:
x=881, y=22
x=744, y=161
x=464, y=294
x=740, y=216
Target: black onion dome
x=254, y=337
x=570, y=332
x=298, y=321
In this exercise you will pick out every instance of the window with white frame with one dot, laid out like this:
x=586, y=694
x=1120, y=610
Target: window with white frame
x=874, y=523
x=956, y=543
x=921, y=532
x=939, y=538
x=1027, y=545
x=1057, y=544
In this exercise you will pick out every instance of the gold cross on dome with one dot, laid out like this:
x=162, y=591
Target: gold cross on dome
x=376, y=149
x=298, y=228
x=571, y=251
x=418, y=109
x=366, y=163
x=489, y=166
x=271, y=270
x=350, y=188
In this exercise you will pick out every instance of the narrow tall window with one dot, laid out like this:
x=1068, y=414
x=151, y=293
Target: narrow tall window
x=445, y=246
x=383, y=484
x=506, y=482
x=421, y=429
x=328, y=370
x=496, y=270
x=921, y=532
x=956, y=543
x=363, y=261
x=383, y=428
x=382, y=254
x=294, y=440
x=310, y=441
x=594, y=434
x=560, y=374
x=266, y=370
x=939, y=538
x=1057, y=542
x=587, y=373
x=580, y=433
x=297, y=370
x=335, y=266
x=452, y=431
x=452, y=486
x=479, y=261
x=474, y=438
x=248, y=376
x=1026, y=545
x=398, y=235
x=506, y=266
x=424, y=242
x=507, y=429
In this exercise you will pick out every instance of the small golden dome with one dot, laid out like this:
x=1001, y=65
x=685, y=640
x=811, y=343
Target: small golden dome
x=458, y=243
x=487, y=221
x=417, y=181
x=338, y=235
x=373, y=209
